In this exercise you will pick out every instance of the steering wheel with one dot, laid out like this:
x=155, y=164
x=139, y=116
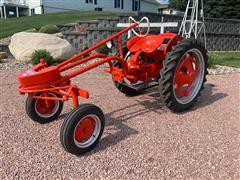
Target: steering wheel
x=131, y=19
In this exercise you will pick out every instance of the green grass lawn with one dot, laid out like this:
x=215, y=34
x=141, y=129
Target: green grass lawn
x=13, y=25
x=224, y=58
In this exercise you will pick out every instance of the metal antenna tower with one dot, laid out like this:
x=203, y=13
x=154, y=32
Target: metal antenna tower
x=190, y=24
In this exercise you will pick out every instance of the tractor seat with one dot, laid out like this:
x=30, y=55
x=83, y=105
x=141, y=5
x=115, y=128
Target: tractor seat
x=147, y=44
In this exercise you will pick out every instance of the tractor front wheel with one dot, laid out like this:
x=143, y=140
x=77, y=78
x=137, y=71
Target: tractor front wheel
x=82, y=129
x=40, y=111
x=183, y=75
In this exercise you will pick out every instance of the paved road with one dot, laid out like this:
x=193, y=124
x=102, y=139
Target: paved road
x=142, y=139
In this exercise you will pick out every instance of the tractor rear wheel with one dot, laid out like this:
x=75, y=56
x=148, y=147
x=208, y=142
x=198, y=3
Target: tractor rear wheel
x=183, y=75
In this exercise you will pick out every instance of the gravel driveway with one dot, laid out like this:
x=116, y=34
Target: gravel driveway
x=142, y=139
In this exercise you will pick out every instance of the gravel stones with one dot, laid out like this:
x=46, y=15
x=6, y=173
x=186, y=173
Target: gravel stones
x=142, y=139
x=217, y=70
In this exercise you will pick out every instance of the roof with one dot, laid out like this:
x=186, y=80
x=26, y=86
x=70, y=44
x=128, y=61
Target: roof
x=153, y=1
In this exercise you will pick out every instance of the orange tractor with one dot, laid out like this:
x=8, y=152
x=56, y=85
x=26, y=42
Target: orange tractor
x=175, y=64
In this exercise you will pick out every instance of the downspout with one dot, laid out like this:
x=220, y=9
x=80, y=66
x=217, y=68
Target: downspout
x=42, y=6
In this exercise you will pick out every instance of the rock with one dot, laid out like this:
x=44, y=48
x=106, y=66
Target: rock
x=31, y=30
x=60, y=35
x=23, y=44
x=3, y=55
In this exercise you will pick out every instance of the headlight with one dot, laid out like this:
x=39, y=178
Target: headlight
x=109, y=44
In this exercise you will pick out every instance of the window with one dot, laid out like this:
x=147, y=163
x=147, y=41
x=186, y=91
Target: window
x=136, y=5
x=118, y=4
x=89, y=1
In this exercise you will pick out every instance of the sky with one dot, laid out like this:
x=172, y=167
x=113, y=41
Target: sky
x=163, y=1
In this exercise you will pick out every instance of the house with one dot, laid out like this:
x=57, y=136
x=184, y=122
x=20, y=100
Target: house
x=28, y=7
x=13, y=7
x=165, y=9
x=50, y=6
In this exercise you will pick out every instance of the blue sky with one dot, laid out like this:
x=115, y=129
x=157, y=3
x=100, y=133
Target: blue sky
x=163, y=1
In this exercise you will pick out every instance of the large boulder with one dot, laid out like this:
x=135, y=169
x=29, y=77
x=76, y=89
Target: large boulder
x=23, y=44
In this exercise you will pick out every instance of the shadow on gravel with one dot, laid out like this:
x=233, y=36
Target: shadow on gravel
x=121, y=132
x=150, y=102
x=62, y=116
x=208, y=96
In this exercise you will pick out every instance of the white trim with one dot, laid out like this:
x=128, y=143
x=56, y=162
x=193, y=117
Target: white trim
x=160, y=25
x=4, y=12
x=17, y=12
x=1, y=12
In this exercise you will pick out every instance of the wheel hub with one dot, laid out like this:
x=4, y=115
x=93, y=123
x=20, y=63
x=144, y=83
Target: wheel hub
x=45, y=108
x=85, y=129
x=186, y=75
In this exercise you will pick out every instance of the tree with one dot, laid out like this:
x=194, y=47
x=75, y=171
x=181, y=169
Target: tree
x=213, y=8
x=178, y=4
x=222, y=9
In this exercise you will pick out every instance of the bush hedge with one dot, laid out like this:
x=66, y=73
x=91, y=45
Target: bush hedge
x=41, y=54
x=49, y=29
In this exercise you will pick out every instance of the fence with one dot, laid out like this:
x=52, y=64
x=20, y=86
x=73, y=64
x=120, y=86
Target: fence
x=222, y=34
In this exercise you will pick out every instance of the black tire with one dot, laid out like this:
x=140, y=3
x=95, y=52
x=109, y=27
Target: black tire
x=30, y=105
x=168, y=71
x=126, y=90
x=67, y=135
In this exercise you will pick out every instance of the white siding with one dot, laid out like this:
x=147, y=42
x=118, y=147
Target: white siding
x=61, y=5
x=35, y=4
x=51, y=6
x=148, y=7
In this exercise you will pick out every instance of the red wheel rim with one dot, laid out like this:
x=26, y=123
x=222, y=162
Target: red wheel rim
x=186, y=75
x=85, y=129
x=44, y=109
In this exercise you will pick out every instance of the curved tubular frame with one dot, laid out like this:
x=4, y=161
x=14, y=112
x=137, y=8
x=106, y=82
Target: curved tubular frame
x=114, y=36
x=63, y=86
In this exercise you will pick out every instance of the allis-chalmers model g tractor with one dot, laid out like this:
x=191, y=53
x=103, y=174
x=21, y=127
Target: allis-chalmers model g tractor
x=175, y=64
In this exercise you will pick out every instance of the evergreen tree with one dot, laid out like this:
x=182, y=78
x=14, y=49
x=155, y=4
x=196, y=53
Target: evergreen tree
x=228, y=9
x=178, y=4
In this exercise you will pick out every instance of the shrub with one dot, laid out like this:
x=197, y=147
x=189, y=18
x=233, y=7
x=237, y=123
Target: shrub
x=103, y=49
x=49, y=29
x=41, y=54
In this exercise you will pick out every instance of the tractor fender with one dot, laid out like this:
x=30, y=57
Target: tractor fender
x=151, y=43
